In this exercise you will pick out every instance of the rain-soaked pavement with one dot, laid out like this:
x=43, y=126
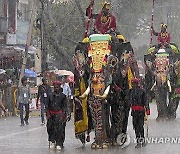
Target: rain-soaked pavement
x=32, y=139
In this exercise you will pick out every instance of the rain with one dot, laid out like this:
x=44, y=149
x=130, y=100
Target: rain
x=88, y=76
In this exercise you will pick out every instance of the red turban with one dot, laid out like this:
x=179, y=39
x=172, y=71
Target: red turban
x=57, y=83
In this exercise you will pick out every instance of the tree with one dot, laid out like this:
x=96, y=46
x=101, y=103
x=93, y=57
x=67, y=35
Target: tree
x=65, y=23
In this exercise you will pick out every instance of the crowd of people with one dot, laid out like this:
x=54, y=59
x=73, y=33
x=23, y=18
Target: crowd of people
x=56, y=105
x=53, y=103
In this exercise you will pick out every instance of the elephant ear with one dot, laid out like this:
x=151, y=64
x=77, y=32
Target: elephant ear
x=112, y=61
x=75, y=61
x=79, y=62
x=149, y=63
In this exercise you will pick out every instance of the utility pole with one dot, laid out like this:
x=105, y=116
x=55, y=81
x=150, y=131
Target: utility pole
x=43, y=48
x=28, y=42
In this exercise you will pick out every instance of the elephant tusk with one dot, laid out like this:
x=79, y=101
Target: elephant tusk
x=105, y=93
x=85, y=94
x=169, y=85
x=153, y=86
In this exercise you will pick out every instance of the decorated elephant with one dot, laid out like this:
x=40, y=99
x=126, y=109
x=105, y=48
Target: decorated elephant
x=126, y=70
x=175, y=95
x=101, y=64
x=161, y=68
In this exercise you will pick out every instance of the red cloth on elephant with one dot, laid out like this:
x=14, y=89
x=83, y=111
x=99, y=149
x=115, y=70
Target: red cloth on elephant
x=163, y=38
x=104, y=27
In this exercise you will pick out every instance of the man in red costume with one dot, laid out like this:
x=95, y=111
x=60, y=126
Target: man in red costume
x=105, y=22
x=163, y=37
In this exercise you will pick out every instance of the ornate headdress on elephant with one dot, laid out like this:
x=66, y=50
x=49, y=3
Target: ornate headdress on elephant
x=101, y=64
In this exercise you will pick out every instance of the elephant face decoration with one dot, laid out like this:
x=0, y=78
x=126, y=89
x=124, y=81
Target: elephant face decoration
x=101, y=64
x=98, y=53
x=161, y=66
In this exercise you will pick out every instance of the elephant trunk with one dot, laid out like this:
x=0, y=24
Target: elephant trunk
x=85, y=94
x=104, y=94
x=168, y=83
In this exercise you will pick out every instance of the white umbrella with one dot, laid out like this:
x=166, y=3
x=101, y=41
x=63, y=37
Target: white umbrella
x=63, y=72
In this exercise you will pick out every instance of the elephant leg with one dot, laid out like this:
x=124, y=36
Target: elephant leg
x=117, y=117
x=98, y=121
x=161, y=107
x=125, y=120
x=172, y=107
x=177, y=104
x=106, y=113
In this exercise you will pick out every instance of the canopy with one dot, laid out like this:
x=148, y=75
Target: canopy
x=69, y=74
x=70, y=79
x=63, y=72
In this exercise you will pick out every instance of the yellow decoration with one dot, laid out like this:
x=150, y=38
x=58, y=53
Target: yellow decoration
x=76, y=93
x=16, y=110
x=164, y=78
x=162, y=64
x=97, y=84
x=178, y=73
x=82, y=125
x=130, y=77
x=121, y=37
x=106, y=4
x=163, y=26
x=104, y=19
x=98, y=52
x=86, y=40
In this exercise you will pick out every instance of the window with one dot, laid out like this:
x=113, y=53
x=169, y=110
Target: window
x=23, y=11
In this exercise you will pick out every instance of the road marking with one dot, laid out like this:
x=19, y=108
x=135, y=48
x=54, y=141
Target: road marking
x=22, y=132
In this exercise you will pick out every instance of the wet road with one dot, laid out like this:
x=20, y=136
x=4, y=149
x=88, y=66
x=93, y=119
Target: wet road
x=32, y=139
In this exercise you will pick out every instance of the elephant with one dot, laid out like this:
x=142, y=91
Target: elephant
x=126, y=70
x=101, y=65
x=175, y=94
x=161, y=65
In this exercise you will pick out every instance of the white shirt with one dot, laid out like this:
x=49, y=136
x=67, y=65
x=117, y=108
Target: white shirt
x=66, y=89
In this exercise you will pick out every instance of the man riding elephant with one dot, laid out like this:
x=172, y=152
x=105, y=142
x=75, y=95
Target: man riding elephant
x=163, y=36
x=105, y=21
x=163, y=41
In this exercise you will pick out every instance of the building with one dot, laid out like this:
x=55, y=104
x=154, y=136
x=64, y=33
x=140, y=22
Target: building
x=14, y=25
x=14, y=21
x=3, y=21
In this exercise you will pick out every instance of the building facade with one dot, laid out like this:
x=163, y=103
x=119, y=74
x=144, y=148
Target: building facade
x=14, y=21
